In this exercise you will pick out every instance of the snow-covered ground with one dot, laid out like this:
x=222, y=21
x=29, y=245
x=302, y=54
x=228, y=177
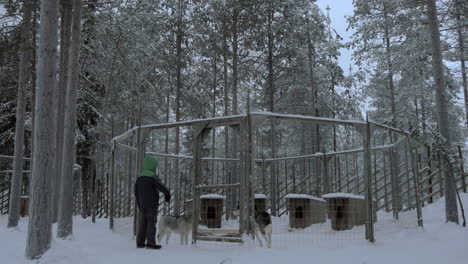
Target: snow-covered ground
x=398, y=242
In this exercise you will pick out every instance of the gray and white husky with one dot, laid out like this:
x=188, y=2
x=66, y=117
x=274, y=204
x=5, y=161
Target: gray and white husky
x=263, y=226
x=170, y=224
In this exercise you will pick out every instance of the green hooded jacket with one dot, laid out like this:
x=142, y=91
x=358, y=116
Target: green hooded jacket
x=148, y=185
x=150, y=164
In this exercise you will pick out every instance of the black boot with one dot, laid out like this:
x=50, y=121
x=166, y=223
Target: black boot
x=141, y=246
x=148, y=246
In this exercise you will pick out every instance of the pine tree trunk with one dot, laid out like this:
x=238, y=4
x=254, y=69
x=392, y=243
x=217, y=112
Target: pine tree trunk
x=313, y=90
x=315, y=129
x=226, y=112
x=65, y=217
x=34, y=75
x=235, y=132
x=423, y=120
x=16, y=181
x=271, y=89
x=179, y=39
x=166, y=144
x=40, y=221
x=391, y=86
x=235, y=57
x=441, y=98
x=225, y=88
x=462, y=60
x=213, y=136
x=65, y=31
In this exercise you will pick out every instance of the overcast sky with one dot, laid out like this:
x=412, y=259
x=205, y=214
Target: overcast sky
x=338, y=10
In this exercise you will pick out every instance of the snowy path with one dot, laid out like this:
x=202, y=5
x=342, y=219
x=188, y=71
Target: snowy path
x=93, y=243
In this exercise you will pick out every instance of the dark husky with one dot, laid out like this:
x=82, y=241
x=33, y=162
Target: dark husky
x=263, y=226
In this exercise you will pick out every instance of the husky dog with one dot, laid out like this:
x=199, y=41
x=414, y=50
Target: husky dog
x=170, y=224
x=263, y=226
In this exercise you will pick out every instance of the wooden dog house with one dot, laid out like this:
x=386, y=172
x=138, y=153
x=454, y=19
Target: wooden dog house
x=346, y=210
x=260, y=202
x=211, y=210
x=305, y=210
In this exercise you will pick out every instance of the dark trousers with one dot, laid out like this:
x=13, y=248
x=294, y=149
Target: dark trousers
x=147, y=218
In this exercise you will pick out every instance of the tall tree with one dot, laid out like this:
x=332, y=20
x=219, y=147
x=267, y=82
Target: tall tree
x=24, y=67
x=180, y=12
x=40, y=222
x=461, y=49
x=442, y=105
x=65, y=217
x=65, y=31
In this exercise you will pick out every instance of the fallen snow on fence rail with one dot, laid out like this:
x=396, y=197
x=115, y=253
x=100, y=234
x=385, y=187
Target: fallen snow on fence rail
x=212, y=196
x=303, y=196
x=343, y=195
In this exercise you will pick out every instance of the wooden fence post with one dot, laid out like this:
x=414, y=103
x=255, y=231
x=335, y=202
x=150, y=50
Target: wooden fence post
x=199, y=133
x=366, y=132
x=416, y=180
x=462, y=168
x=326, y=181
x=111, y=207
x=395, y=182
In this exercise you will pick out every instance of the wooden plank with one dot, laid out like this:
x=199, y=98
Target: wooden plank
x=429, y=186
x=210, y=122
x=423, y=170
x=224, y=232
x=11, y=157
x=399, y=131
x=429, y=177
x=432, y=194
x=220, y=239
x=310, y=119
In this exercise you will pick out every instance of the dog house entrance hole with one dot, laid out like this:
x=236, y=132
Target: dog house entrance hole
x=339, y=212
x=299, y=212
x=211, y=212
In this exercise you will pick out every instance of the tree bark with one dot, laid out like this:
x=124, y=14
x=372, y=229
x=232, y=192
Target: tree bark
x=315, y=129
x=225, y=88
x=40, y=222
x=232, y=201
x=313, y=89
x=179, y=39
x=65, y=32
x=65, y=217
x=235, y=57
x=16, y=181
x=451, y=212
x=391, y=86
x=166, y=143
x=462, y=60
x=34, y=74
x=271, y=89
x=213, y=136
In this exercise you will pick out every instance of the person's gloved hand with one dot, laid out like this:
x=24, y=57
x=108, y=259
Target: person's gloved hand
x=168, y=198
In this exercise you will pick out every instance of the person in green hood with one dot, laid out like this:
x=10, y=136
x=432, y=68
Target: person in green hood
x=147, y=188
